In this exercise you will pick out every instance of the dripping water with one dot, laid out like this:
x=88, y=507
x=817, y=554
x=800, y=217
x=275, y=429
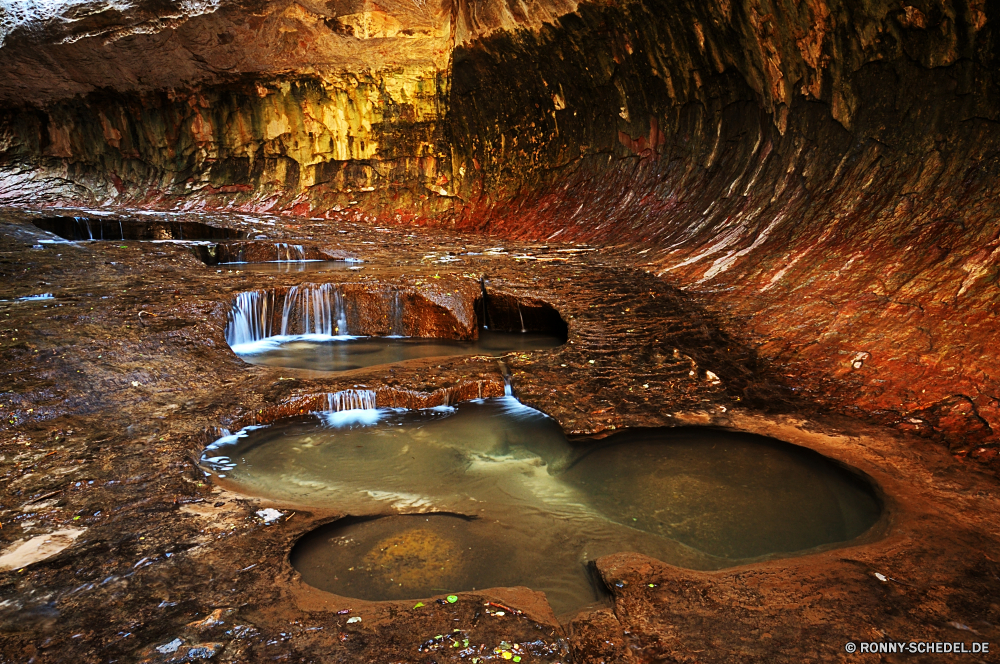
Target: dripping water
x=486, y=320
x=396, y=313
x=84, y=221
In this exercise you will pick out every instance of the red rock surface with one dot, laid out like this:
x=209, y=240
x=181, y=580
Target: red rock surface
x=113, y=387
x=799, y=198
x=824, y=176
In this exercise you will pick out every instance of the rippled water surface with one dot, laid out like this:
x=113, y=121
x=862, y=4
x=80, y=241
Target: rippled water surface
x=285, y=267
x=319, y=353
x=537, y=508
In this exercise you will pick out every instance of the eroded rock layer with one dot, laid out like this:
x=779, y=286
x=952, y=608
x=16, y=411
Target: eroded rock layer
x=823, y=174
x=115, y=545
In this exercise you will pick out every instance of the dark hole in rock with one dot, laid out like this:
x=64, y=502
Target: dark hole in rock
x=97, y=228
x=338, y=327
x=545, y=507
x=504, y=312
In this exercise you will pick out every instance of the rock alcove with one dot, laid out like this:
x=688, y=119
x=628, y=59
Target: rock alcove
x=772, y=219
x=339, y=327
x=82, y=228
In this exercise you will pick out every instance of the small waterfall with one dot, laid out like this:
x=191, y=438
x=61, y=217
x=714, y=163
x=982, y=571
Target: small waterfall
x=310, y=309
x=84, y=221
x=121, y=229
x=314, y=310
x=342, y=313
x=287, y=251
x=351, y=400
x=396, y=315
x=486, y=316
x=523, y=330
x=508, y=387
x=250, y=319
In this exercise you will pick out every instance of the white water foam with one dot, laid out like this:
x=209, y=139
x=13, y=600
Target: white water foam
x=346, y=419
x=275, y=341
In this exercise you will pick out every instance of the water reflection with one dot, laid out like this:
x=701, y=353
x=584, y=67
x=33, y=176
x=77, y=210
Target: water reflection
x=341, y=353
x=540, y=507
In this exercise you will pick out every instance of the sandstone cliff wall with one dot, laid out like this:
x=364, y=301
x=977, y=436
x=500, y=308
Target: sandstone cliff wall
x=823, y=172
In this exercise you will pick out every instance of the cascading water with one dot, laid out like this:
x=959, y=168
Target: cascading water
x=396, y=315
x=508, y=386
x=317, y=310
x=290, y=253
x=250, y=319
x=311, y=310
x=86, y=223
x=306, y=328
x=350, y=400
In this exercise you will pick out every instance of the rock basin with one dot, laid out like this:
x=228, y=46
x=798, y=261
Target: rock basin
x=133, y=376
x=523, y=505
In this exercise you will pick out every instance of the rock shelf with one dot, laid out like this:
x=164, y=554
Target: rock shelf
x=115, y=384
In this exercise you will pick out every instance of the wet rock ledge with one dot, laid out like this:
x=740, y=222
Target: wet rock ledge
x=117, y=372
x=778, y=218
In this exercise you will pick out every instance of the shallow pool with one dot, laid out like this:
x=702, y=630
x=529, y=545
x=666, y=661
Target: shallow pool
x=342, y=353
x=516, y=503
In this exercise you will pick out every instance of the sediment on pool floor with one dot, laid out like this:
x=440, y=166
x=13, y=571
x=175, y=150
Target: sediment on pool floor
x=693, y=497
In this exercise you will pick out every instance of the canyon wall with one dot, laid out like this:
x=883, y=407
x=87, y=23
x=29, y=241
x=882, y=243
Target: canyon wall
x=257, y=106
x=822, y=173
x=825, y=174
